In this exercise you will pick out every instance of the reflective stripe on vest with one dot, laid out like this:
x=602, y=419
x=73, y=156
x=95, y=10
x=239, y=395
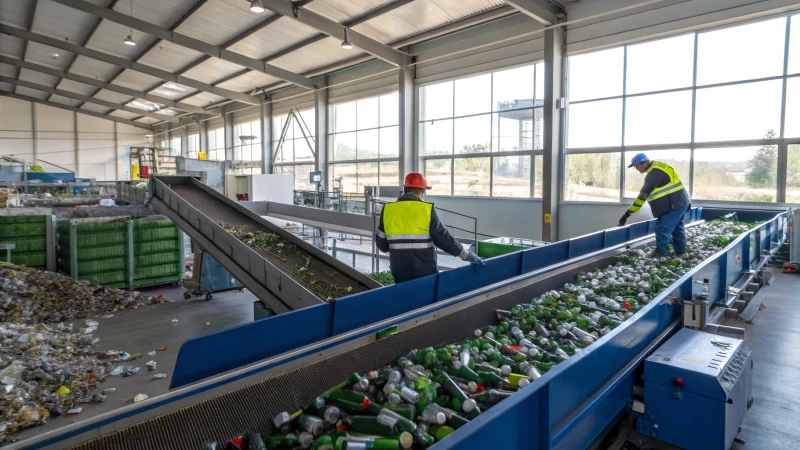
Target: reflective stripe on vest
x=673, y=186
x=407, y=225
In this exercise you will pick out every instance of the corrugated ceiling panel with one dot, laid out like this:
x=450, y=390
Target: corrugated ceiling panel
x=8, y=87
x=11, y=46
x=342, y=10
x=281, y=34
x=93, y=68
x=113, y=97
x=212, y=70
x=59, y=21
x=247, y=83
x=109, y=36
x=163, y=13
x=32, y=93
x=79, y=88
x=147, y=121
x=218, y=21
x=170, y=57
x=318, y=54
x=38, y=78
x=418, y=17
x=173, y=90
x=95, y=108
x=123, y=114
x=43, y=54
x=15, y=12
x=203, y=99
x=64, y=100
x=136, y=80
x=8, y=70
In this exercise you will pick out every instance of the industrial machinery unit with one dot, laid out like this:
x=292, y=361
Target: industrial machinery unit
x=219, y=386
x=697, y=389
x=200, y=212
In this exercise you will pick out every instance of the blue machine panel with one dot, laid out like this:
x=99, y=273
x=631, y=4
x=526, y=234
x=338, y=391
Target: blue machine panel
x=697, y=390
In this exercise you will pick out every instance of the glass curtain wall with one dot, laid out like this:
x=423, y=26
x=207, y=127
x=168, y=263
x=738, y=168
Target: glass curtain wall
x=193, y=144
x=216, y=145
x=364, y=144
x=247, y=141
x=721, y=106
x=295, y=157
x=482, y=136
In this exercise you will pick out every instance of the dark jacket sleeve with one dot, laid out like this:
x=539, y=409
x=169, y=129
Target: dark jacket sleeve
x=380, y=237
x=442, y=238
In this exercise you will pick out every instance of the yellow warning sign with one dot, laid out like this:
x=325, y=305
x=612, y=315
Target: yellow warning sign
x=547, y=218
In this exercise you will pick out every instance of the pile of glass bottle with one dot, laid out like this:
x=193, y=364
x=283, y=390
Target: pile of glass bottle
x=428, y=393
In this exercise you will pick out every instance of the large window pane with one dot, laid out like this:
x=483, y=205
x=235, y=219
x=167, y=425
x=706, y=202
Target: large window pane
x=472, y=134
x=436, y=137
x=740, y=174
x=659, y=119
x=390, y=142
x=792, y=120
x=390, y=173
x=175, y=145
x=539, y=93
x=286, y=153
x=595, y=124
x=302, y=175
x=538, y=176
x=302, y=150
x=677, y=159
x=794, y=46
x=437, y=101
x=473, y=95
x=277, y=126
x=593, y=177
x=346, y=175
x=793, y=174
x=660, y=65
x=367, y=144
x=438, y=174
x=513, y=88
x=368, y=113
x=471, y=176
x=390, y=109
x=344, y=146
x=511, y=176
x=741, y=53
x=344, y=117
x=742, y=111
x=309, y=118
x=512, y=131
x=596, y=75
x=367, y=175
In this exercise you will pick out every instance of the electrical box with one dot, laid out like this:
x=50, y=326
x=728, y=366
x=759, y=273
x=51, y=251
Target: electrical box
x=697, y=389
x=315, y=177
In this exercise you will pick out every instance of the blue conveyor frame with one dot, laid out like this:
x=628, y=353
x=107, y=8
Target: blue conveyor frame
x=567, y=408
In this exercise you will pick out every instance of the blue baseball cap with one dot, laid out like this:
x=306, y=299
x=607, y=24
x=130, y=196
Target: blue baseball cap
x=638, y=159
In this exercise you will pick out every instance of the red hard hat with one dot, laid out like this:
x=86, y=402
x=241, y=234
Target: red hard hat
x=416, y=180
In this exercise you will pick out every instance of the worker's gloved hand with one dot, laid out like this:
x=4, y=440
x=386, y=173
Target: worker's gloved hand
x=624, y=219
x=476, y=260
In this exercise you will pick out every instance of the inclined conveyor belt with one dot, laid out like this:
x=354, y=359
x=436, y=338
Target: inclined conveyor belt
x=291, y=275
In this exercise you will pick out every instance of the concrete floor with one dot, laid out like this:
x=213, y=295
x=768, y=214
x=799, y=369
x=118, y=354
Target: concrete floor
x=773, y=423
x=146, y=329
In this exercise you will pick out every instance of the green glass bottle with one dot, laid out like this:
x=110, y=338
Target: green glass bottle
x=492, y=396
x=453, y=418
x=467, y=404
x=405, y=410
x=440, y=432
x=354, y=402
x=324, y=442
x=491, y=379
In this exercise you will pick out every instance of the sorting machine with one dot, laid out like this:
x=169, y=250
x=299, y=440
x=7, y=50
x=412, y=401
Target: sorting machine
x=222, y=388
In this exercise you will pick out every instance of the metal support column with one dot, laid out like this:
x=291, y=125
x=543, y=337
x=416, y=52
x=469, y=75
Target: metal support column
x=116, y=151
x=265, y=111
x=77, y=146
x=321, y=124
x=408, y=160
x=33, y=135
x=50, y=241
x=73, y=249
x=184, y=142
x=230, y=139
x=552, y=138
x=203, y=136
x=131, y=256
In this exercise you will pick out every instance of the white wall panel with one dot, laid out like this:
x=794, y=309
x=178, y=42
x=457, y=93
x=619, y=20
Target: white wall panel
x=16, y=137
x=496, y=216
x=128, y=136
x=285, y=99
x=97, y=152
x=55, y=136
x=363, y=81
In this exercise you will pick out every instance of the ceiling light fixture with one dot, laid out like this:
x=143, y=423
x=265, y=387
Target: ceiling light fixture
x=256, y=6
x=345, y=44
x=129, y=40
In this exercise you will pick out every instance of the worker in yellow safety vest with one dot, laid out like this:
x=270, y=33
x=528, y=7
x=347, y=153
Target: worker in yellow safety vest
x=668, y=200
x=410, y=231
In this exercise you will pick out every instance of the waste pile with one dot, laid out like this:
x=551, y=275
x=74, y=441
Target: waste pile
x=305, y=266
x=36, y=296
x=49, y=367
x=385, y=278
x=424, y=395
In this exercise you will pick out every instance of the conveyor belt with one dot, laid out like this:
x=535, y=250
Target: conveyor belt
x=202, y=212
x=252, y=408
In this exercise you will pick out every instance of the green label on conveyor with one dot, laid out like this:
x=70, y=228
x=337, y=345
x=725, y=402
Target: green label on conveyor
x=386, y=332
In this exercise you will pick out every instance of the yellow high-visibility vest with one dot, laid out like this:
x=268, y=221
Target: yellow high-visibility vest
x=674, y=184
x=407, y=225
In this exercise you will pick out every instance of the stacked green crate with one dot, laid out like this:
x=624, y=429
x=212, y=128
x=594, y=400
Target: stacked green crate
x=107, y=249
x=28, y=233
x=158, y=251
